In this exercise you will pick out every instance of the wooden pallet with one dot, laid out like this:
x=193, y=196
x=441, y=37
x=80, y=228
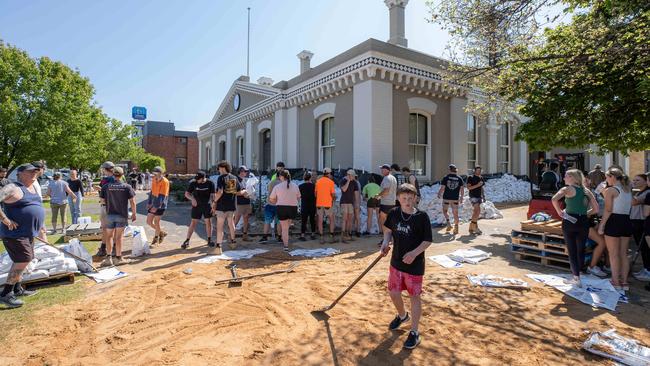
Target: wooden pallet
x=540, y=246
x=90, y=231
x=550, y=227
x=549, y=260
x=65, y=277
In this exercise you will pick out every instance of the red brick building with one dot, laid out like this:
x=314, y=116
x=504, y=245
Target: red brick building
x=180, y=149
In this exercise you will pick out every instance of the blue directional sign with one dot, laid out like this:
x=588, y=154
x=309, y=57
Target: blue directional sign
x=139, y=113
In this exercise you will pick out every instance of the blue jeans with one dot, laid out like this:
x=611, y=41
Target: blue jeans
x=75, y=207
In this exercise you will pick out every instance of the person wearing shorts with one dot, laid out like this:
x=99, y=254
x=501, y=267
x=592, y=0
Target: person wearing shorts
x=116, y=196
x=349, y=189
x=325, y=197
x=270, y=213
x=475, y=184
x=22, y=216
x=200, y=193
x=370, y=193
x=452, y=189
x=409, y=231
x=388, y=194
x=307, y=206
x=107, y=171
x=616, y=225
x=157, y=204
x=244, y=208
x=228, y=188
x=285, y=196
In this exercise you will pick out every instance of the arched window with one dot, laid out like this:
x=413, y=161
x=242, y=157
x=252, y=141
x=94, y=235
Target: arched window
x=504, y=148
x=327, y=142
x=472, y=142
x=240, y=151
x=222, y=150
x=265, y=149
x=418, y=143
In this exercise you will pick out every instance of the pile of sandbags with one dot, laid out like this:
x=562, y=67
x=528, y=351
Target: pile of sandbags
x=47, y=262
x=507, y=189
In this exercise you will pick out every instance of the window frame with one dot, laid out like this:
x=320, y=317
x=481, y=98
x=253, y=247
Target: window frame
x=180, y=161
x=508, y=162
x=321, y=147
x=428, y=158
x=241, y=151
x=474, y=119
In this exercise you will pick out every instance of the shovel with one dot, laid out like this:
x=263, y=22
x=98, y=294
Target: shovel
x=327, y=308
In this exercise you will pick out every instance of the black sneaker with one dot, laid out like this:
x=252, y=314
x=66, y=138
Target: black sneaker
x=412, y=340
x=263, y=240
x=211, y=244
x=357, y=234
x=11, y=301
x=101, y=252
x=398, y=321
x=313, y=237
x=186, y=244
x=25, y=293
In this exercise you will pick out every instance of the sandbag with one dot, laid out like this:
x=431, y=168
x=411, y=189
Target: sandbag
x=35, y=275
x=43, y=251
x=74, y=247
x=68, y=265
x=251, y=187
x=52, y=262
x=140, y=242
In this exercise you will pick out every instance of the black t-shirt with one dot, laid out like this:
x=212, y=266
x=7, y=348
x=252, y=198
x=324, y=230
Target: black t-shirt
x=76, y=186
x=201, y=191
x=452, y=183
x=308, y=196
x=117, y=197
x=348, y=196
x=472, y=181
x=409, y=231
x=241, y=200
x=230, y=186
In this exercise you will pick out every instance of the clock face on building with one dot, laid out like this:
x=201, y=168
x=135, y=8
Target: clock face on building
x=236, y=101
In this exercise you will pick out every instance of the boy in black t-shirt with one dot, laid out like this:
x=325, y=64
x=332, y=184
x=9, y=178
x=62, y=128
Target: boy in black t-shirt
x=475, y=185
x=451, y=191
x=409, y=229
x=228, y=188
x=201, y=193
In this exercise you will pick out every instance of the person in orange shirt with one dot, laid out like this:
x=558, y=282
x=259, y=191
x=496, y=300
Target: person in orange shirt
x=157, y=204
x=325, y=197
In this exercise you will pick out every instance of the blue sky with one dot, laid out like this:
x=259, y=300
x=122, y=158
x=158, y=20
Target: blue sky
x=179, y=58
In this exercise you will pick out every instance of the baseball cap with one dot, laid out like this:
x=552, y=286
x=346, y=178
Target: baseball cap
x=327, y=171
x=243, y=168
x=108, y=165
x=57, y=174
x=280, y=164
x=200, y=174
x=37, y=164
x=26, y=167
x=352, y=172
x=452, y=167
x=157, y=169
x=385, y=166
x=118, y=171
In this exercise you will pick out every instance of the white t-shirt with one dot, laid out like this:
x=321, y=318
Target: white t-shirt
x=389, y=182
x=286, y=196
x=38, y=189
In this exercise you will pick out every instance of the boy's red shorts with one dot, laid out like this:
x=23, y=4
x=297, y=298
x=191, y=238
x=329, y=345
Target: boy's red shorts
x=400, y=281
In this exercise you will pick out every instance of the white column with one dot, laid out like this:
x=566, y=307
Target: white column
x=249, y=144
x=372, y=121
x=626, y=164
x=292, y=138
x=458, y=134
x=213, y=151
x=278, y=137
x=523, y=158
x=201, y=157
x=608, y=160
x=492, y=148
x=229, y=146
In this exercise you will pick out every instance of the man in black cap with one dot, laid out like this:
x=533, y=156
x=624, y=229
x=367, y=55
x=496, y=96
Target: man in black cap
x=201, y=193
x=451, y=191
x=3, y=177
x=107, y=172
x=21, y=219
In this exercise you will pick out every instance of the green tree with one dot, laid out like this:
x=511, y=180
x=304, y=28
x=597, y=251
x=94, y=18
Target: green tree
x=150, y=161
x=581, y=82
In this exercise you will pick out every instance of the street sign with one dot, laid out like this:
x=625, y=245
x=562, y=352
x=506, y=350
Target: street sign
x=139, y=113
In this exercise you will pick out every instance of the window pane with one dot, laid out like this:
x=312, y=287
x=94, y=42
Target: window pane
x=471, y=152
x=471, y=128
x=421, y=159
x=413, y=128
x=471, y=164
x=324, y=134
x=332, y=133
x=503, y=131
x=422, y=129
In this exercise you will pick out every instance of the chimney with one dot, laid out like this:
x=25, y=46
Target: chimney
x=265, y=81
x=305, y=61
x=396, y=11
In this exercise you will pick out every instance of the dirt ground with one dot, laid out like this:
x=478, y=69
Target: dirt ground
x=161, y=316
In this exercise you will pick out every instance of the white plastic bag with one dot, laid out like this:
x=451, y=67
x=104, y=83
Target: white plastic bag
x=251, y=187
x=140, y=242
x=43, y=251
x=74, y=247
x=51, y=262
x=128, y=231
x=84, y=220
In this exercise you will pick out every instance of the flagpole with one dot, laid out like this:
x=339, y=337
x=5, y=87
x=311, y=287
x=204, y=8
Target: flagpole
x=248, y=44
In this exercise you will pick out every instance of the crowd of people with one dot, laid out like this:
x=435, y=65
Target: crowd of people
x=608, y=209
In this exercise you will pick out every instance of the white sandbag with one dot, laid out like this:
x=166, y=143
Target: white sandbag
x=35, y=275
x=69, y=265
x=43, y=251
x=75, y=247
x=231, y=255
x=496, y=281
x=314, y=253
x=445, y=261
x=3, y=278
x=5, y=263
x=470, y=255
x=140, y=243
x=626, y=351
x=52, y=262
